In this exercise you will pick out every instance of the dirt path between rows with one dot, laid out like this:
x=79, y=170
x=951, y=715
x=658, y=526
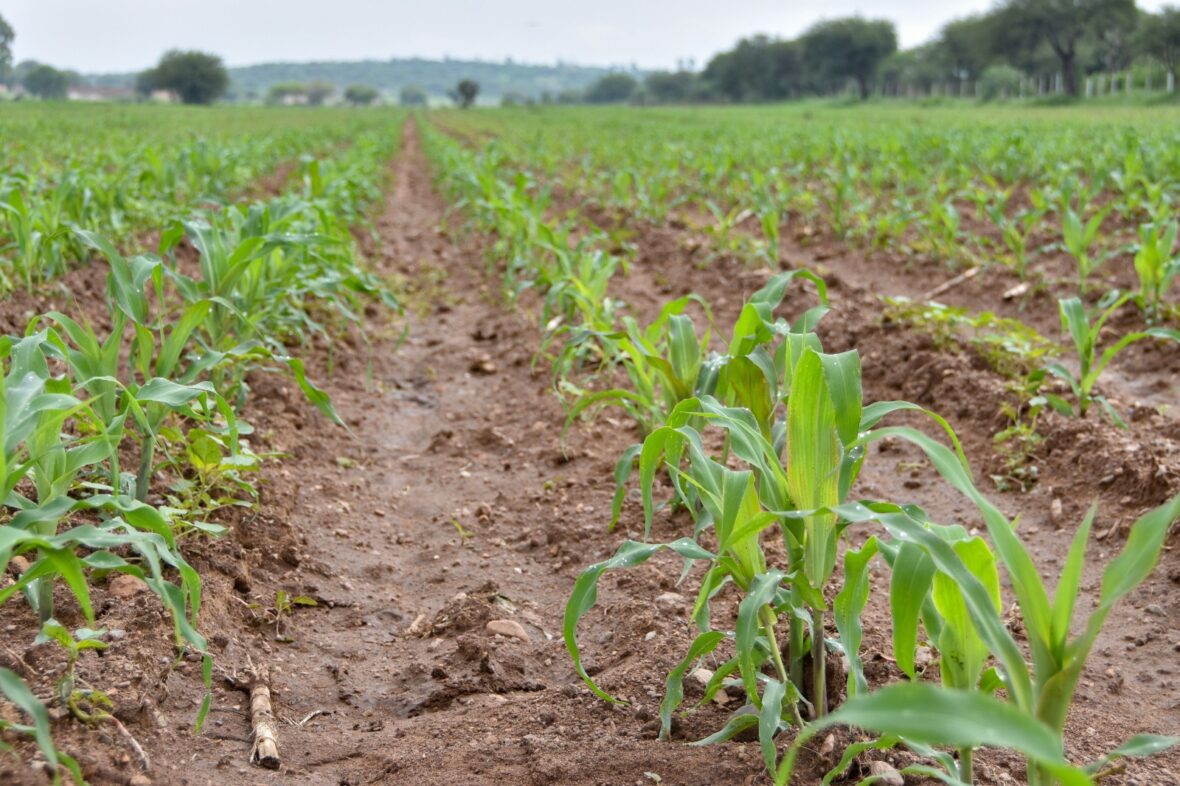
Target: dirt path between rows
x=453, y=508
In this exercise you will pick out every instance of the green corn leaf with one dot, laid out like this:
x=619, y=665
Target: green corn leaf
x=623, y=470
x=962, y=650
x=842, y=374
x=762, y=591
x=770, y=720
x=1065, y=596
x=853, y=751
x=1140, y=745
x=674, y=683
x=1122, y=574
x=15, y=690
x=913, y=573
x=814, y=457
x=737, y=723
x=848, y=607
x=585, y=593
x=943, y=716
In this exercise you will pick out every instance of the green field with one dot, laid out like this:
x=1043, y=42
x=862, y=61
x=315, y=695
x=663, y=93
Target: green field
x=810, y=370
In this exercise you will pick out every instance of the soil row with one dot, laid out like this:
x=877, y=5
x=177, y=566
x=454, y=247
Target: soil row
x=440, y=539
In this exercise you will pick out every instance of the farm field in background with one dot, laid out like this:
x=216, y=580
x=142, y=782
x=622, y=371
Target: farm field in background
x=531, y=445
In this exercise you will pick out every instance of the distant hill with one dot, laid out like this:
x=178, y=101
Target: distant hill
x=436, y=77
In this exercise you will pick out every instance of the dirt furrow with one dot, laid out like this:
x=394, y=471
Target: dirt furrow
x=439, y=546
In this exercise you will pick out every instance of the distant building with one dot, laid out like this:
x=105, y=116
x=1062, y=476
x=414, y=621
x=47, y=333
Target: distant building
x=92, y=93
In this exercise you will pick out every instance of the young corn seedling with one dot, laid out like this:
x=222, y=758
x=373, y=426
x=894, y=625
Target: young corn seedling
x=825, y=431
x=747, y=375
x=1039, y=691
x=919, y=590
x=665, y=364
x=1086, y=335
x=1079, y=240
x=14, y=689
x=1156, y=264
x=1016, y=233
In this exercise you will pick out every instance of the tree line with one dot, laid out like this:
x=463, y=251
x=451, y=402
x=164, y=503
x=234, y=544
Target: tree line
x=1019, y=48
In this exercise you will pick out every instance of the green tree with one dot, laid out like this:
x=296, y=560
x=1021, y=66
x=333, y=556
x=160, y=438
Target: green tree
x=465, y=93
x=670, y=87
x=999, y=81
x=917, y=69
x=758, y=68
x=967, y=46
x=1064, y=25
x=46, y=82
x=280, y=92
x=611, y=89
x=197, y=77
x=360, y=95
x=1159, y=37
x=412, y=95
x=318, y=92
x=851, y=48
x=6, y=38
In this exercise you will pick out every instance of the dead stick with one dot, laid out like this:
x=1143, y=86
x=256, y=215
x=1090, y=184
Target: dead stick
x=266, y=743
x=264, y=731
x=954, y=282
x=144, y=761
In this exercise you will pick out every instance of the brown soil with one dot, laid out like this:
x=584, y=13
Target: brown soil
x=453, y=505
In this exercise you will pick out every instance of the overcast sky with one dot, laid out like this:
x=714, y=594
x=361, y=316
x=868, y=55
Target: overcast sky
x=128, y=35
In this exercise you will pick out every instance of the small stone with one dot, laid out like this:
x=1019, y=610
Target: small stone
x=701, y=676
x=886, y=774
x=116, y=634
x=483, y=365
x=1056, y=512
x=828, y=746
x=670, y=601
x=510, y=628
x=17, y=565
x=126, y=586
x=1156, y=609
x=139, y=779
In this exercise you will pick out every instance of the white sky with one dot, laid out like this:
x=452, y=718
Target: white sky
x=128, y=35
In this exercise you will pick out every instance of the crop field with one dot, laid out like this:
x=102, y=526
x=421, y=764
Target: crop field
x=809, y=444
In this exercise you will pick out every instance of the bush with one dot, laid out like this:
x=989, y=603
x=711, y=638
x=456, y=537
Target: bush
x=999, y=81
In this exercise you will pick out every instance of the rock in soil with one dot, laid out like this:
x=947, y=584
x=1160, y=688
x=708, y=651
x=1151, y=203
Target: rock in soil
x=886, y=774
x=509, y=628
x=126, y=586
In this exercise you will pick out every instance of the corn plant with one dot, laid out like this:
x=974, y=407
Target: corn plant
x=665, y=364
x=1015, y=232
x=14, y=689
x=1086, y=335
x=669, y=365
x=1032, y=718
x=825, y=431
x=1156, y=264
x=1079, y=240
